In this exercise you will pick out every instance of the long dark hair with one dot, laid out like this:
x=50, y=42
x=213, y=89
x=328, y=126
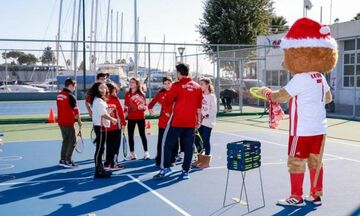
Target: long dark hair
x=96, y=93
x=138, y=86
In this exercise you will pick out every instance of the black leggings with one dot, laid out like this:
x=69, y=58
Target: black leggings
x=112, y=147
x=159, y=149
x=100, y=145
x=226, y=101
x=131, y=129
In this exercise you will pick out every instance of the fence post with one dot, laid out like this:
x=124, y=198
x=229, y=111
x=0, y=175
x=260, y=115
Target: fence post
x=218, y=89
x=241, y=70
x=149, y=72
x=355, y=78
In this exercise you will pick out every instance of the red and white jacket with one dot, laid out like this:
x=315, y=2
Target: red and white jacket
x=135, y=105
x=117, y=112
x=166, y=109
x=67, y=108
x=187, y=96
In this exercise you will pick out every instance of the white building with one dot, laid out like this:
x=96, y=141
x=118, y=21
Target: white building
x=345, y=79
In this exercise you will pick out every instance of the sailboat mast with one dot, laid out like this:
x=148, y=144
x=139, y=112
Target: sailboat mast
x=84, y=45
x=91, y=36
x=136, y=38
x=95, y=34
x=58, y=38
x=72, y=35
x=163, y=65
x=111, y=37
x=76, y=44
x=107, y=31
x=117, y=35
x=121, y=33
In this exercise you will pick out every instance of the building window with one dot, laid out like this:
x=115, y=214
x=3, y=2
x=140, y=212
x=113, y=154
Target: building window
x=351, y=63
x=349, y=45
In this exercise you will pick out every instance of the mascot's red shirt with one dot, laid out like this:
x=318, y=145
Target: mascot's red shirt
x=67, y=108
x=135, y=105
x=187, y=95
x=166, y=109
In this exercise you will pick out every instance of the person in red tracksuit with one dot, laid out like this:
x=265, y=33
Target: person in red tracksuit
x=67, y=113
x=114, y=131
x=186, y=95
x=135, y=107
x=164, y=116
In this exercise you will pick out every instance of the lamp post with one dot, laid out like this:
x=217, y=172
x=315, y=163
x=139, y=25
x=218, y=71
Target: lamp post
x=307, y=6
x=181, y=52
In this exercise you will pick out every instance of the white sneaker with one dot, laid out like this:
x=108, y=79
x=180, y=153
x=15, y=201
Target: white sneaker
x=146, y=155
x=130, y=156
x=291, y=202
x=315, y=201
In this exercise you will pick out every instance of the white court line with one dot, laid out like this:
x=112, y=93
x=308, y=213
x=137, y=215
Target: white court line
x=177, y=208
x=332, y=139
x=274, y=143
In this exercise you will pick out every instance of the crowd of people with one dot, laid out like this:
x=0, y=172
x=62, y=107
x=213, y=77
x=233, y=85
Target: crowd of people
x=186, y=107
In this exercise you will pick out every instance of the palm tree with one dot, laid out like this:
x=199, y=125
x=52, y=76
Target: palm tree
x=278, y=24
x=357, y=17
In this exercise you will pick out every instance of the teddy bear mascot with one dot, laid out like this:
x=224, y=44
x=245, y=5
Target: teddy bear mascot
x=309, y=52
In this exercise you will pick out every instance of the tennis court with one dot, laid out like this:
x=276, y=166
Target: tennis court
x=31, y=183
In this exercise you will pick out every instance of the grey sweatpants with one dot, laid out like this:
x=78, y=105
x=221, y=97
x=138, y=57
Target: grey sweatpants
x=69, y=141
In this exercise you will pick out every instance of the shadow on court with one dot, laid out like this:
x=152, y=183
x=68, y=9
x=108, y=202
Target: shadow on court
x=296, y=211
x=80, y=180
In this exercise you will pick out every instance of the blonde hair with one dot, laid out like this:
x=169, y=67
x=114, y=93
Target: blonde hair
x=208, y=82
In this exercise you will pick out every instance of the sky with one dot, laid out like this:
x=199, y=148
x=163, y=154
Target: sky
x=176, y=19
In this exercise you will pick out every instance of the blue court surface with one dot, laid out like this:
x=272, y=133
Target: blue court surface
x=31, y=183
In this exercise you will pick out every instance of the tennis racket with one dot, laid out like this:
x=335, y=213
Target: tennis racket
x=80, y=145
x=255, y=92
x=124, y=144
x=93, y=136
x=199, y=145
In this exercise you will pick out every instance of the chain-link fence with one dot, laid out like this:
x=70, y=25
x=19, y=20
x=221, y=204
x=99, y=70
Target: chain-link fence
x=234, y=69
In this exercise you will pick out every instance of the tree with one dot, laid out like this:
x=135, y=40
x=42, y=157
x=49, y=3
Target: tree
x=121, y=61
x=20, y=57
x=48, y=56
x=357, y=17
x=278, y=24
x=27, y=59
x=234, y=21
x=12, y=55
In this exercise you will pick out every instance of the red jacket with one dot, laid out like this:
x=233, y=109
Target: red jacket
x=118, y=112
x=187, y=95
x=135, y=105
x=166, y=110
x=67, y=108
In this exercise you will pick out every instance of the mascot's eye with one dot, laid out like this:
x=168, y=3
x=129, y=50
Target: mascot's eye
x=324, y=30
